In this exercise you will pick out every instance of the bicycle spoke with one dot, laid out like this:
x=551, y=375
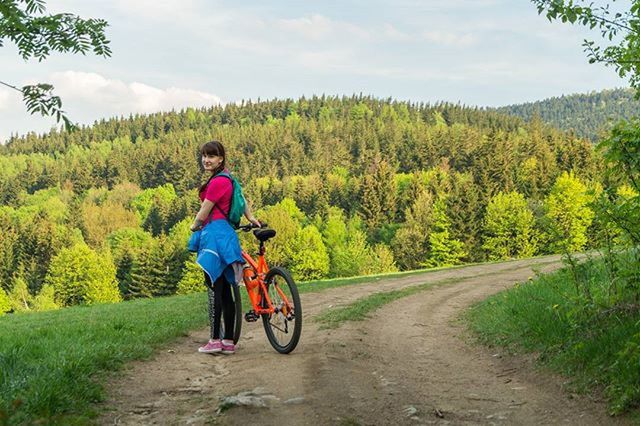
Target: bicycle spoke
x=286, y=329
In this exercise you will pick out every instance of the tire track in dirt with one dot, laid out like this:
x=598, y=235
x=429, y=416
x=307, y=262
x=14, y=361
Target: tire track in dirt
x=406, y=365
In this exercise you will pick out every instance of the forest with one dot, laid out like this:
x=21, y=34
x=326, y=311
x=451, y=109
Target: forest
x=588, y=115
x=353, y=185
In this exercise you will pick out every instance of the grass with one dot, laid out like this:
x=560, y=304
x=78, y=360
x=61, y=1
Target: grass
x=597, y=346
x=51, y=362
x=361, y=308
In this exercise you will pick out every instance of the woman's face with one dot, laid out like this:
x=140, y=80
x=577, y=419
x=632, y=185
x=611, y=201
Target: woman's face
x=211, y=162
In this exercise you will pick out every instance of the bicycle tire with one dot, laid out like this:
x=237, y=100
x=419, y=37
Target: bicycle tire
x=237, y=301
x=277, y=324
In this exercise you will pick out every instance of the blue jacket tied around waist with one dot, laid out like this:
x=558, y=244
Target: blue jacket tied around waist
x=218, y=250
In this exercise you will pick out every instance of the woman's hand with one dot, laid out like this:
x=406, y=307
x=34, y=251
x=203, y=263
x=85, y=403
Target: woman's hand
x=196, y=225
x=255, y=221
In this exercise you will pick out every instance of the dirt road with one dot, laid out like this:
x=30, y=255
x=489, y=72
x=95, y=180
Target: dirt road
x=411, y=363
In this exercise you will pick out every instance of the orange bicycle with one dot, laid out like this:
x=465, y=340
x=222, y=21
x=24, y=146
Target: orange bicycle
x=273, y=295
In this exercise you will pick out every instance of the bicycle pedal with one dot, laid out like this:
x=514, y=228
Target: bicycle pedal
x=250, y=316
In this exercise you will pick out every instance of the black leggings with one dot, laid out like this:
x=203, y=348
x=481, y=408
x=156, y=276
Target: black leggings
x=220, y=301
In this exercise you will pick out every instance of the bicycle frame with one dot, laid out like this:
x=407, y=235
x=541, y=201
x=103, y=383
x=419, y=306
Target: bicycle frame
x=261, y=269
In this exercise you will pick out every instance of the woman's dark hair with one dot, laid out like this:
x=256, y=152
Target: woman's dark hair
x=213, y=148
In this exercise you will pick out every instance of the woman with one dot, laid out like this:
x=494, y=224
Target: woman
x=219, y=253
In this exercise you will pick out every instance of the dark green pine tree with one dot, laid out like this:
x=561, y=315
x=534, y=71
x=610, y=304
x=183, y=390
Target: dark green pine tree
x=378, y=204
x=28, y=177
x=465, y=213
x=155, y=222
x=180, y=208
x=46, y=179
x=178, y=256
x=9, y=193
x=81, y=178
x=141, y=280
x=8, y=255
x=124, y=269
x=73, y=218
x=163, y=282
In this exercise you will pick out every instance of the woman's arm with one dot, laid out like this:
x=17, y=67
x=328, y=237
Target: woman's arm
x=249, y=215
x=201, y=216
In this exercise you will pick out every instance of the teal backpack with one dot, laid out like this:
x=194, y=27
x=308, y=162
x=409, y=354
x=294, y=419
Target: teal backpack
x=238, y=202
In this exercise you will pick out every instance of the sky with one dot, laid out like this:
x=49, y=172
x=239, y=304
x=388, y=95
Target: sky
x=171, y=54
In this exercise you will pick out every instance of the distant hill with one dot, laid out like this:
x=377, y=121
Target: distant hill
x=586, y=114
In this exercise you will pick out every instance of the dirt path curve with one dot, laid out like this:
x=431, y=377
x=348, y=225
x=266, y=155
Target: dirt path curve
x=411, y=363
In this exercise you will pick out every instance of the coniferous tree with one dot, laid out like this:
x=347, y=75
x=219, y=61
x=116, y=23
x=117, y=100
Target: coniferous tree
x=154, y=223
x=465, y=212
x=378, y=204
x=152, y=273
x=443, y=249
x=124, y=267
x=141, y=284
x=8, y=255
x=411, y=243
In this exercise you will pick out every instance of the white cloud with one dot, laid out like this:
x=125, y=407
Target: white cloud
x=318, y=27
x=392, y=33
x=326, y=60
x=160, y=10
x=435, y=36
x=448, y=38
x=87, y=97
x=116, y=97
x=9, y=99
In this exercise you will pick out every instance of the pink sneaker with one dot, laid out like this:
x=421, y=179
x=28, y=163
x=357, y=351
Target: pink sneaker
x=228, y=348
x=212, y=347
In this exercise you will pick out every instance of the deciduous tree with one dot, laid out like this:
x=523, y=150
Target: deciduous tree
x=309, y=260
x=5, y=302
x=79, y=275
x=619, y=27
x=509, y=227
x=568, y=214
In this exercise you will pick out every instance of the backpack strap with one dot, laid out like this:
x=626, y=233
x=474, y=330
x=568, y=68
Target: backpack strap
x=225, y=174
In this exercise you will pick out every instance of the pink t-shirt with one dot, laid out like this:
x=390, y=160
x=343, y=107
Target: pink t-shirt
x=219, y=192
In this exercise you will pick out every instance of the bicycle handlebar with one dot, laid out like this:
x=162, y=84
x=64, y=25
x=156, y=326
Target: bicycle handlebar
x=248, y=227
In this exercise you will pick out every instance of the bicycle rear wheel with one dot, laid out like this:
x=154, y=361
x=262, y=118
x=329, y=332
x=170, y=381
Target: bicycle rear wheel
x=283, y=329
x=237, y=301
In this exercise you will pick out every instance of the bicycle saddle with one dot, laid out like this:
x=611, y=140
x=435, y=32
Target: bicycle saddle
x=264, y=234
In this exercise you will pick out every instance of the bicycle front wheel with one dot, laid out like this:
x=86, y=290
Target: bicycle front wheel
x=283, y=327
